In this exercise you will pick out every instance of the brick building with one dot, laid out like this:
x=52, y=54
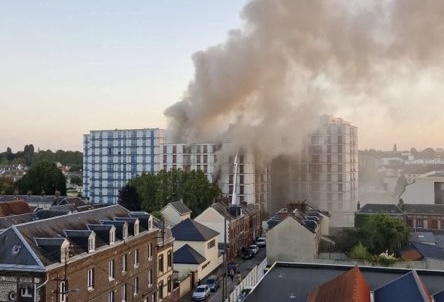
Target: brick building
x=105, y=254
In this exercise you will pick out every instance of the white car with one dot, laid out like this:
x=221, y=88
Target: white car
x=261, y=242
x=201, y=293
x=254, y=248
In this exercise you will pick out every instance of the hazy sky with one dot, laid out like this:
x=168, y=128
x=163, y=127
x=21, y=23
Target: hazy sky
x=68, y=67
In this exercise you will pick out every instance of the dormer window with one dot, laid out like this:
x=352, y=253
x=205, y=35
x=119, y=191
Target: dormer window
x=91, y=243
x=112, y=236
x=64, y=251
x=136, y=228
x=125, y=231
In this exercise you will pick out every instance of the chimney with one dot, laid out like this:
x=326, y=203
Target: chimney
x=235, y=210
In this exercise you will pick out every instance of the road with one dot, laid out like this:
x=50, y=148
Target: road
x=244, y=266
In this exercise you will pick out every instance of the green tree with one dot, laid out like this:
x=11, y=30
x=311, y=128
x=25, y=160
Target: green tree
x=6, y=186
x=154, y=191
x=43, y=177
x=77, y=180
x=28, y=154
x=129, y=198
x=380, y=233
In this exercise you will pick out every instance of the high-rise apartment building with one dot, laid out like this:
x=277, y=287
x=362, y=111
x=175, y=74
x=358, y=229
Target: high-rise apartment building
x=112, y=157
x=325, y=173
x=252, y=183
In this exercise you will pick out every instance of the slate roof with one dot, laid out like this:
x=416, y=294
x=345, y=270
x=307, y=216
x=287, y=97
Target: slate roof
x=349, y=286
x=373, y=208
x=6, y=222
x=187, y=255
x=437, y=209
x=190, y=230
x=54, y=228
x=423, y=237
x=294, y=281
x=407, y=288
x=439, y=296
x=310, y=222
x=180, y=207
x=426, y=250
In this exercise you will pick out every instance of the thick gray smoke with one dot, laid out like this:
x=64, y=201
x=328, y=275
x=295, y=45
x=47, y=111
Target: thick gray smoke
x=265, y=87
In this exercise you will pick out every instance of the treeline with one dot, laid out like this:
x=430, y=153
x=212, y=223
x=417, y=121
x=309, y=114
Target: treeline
x=29, y=157
x=151, y=192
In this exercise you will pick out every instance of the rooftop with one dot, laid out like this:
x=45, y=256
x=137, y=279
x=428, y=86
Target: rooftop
x=295, y=281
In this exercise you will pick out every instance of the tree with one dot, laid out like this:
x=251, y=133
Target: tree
x=380, y=233
x=43, y=177
x=77, y=180
x=6, y=186
x=129, y=198
x=154, y=191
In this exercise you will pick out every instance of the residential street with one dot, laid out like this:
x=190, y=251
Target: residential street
x=244, y=266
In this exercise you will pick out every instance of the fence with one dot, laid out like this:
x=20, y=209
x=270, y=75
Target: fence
x=251, y=279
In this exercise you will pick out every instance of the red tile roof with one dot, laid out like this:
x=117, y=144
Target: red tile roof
x=349, y=286
x=14, y=207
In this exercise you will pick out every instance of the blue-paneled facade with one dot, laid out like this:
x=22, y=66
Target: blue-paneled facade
x=112, y=157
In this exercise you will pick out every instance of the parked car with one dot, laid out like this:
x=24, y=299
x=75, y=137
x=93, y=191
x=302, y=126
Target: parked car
x=261, y=242
x=247, y=254
x=202, y=292
x=244, y=293
x=212, y=282
x=254, y=248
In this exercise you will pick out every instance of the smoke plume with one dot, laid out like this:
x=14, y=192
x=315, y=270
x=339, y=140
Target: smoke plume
x=293, y=60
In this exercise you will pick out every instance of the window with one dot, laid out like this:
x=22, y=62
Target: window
x=419, y=223
x=150, y=278
x=160, y=264
x=169, y=260
x=123, y=292
x=111, y=296
x=111, y=270
x=211, y=244
x=150, y=251
x=62, y=291
x=136, y=286
x=90, y=279
x=160, y=290
x=169, y=285
x=124, y=263
x=136, y=257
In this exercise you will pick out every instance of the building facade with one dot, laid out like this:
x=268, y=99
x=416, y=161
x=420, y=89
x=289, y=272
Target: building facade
x=325, y=173
x=103, y=254
x=112, y=157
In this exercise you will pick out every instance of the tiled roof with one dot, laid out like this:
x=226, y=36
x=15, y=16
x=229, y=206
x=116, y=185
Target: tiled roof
x=15, y=207
x=180, y=207
x=437, y=209
x=423, y=237
x=407, y=288
x=349, y=286
x=429, y=251
x=187, y=255
x=373, y=208
x=190, y=230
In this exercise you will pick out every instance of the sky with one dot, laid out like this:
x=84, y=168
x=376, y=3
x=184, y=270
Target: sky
x=69, y=67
